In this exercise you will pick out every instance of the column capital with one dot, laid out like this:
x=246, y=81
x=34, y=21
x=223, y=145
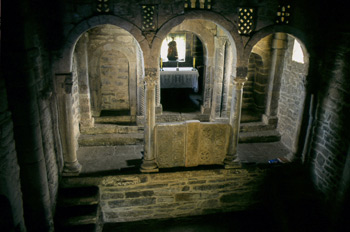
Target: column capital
x=242, y=72
x=151, y=77
x=239, y=82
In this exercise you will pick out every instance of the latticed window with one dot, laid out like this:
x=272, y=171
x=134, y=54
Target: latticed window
x=149, y=17
x=283, y=14
x=198, y=4
x=102, y=6
x=246, y=17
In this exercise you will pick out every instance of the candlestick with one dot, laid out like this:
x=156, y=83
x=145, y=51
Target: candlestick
x=161, y=63
x=194, y=62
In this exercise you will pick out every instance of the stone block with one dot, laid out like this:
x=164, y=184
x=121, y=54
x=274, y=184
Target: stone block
x=139, y=194
x=213, y=144
x=170, y=144
x=132, y=202
x=192, y=143
x=187, y=197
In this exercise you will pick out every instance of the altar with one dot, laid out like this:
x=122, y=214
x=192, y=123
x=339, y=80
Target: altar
x=184, y=77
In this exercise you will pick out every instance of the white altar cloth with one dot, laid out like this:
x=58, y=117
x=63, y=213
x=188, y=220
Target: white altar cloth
x=183, y=78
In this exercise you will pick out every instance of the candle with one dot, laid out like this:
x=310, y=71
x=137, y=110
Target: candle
x=161, y=63
x=194, y=62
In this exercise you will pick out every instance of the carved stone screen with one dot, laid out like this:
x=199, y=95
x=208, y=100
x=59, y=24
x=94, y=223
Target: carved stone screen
x=191, y=143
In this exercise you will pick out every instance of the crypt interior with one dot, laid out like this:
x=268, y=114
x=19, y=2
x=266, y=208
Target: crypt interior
x=174, y=115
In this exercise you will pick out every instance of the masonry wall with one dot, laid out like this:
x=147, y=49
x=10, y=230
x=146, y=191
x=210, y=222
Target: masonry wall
x=138, y=197
x=329, y=154
x=10, y=189
x=291, y=99
x=112, y=54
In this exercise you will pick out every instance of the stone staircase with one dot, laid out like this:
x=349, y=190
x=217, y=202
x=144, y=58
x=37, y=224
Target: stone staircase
x=78, y=210
x=113, y=131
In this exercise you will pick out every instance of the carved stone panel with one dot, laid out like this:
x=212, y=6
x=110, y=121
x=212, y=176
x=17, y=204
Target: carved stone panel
x=192, y=142
x=213, y=143
x=170, y=144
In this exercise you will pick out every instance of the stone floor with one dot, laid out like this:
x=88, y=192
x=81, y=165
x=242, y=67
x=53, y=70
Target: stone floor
x=128, y=157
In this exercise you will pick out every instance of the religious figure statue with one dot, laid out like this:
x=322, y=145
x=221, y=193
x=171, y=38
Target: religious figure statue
x=172, y=50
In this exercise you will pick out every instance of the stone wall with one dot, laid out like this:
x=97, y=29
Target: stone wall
x=112, y=54
x=10, y=188
x=329, y=155
x=168, y=195
x=138, y=197
x=292, y=97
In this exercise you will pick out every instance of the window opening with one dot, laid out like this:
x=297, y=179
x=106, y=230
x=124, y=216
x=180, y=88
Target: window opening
x=298, y=55
x=170, y=43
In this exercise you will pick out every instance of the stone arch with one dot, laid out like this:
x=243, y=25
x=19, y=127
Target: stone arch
x=229, y=29
x=66, y=88
x=64, y=60
x=287, y=94
x=274, y=29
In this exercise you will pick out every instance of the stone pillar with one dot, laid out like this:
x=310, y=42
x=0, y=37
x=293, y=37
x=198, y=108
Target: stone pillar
x=232, y=159
x=65, y=101
x=218, y=77
x=86, y=119
x=151, y=78
x=159, y=107
x=279, y=46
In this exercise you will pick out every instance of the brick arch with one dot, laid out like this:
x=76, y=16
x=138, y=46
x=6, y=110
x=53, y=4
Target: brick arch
x=64, y=61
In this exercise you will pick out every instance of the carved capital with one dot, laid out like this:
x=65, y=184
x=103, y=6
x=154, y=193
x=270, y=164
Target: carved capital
x=239, y=82
x=151, y=77
x=242, y=72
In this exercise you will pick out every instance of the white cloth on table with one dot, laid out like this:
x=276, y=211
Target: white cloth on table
x=183, y=78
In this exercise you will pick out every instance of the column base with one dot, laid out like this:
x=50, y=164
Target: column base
x=159, y=109
x=71, y=168
x=149, y=166
x=269, y=120
x=232, y=161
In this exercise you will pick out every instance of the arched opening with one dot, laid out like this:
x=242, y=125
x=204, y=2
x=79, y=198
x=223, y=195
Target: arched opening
x=107, y=94
x=208, y=67
x=274, y=96
x=181, y=78
x=110, y=58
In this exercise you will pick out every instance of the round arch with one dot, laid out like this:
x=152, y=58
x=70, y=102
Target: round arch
x=227, y=26
x=298, y=34
x=64, y=62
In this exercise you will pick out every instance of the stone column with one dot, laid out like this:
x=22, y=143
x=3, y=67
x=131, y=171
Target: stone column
x=151, y=78
x=218, y=77
x=232, y=159
x=86, y=119
x=279, y=46
x=65, y=110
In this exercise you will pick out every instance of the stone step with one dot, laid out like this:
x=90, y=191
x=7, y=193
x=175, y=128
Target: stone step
x=77, y=209
x=255, y=126
x=120, y=120
x=111, y=139
x=78, y=196
x=111, y=129
x=259, y=136
x=76, y=215
x=165, y=117
x=77, y=228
